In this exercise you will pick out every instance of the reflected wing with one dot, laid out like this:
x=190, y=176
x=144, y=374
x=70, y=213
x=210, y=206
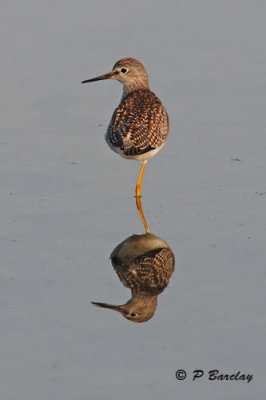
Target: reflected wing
x=150, y=272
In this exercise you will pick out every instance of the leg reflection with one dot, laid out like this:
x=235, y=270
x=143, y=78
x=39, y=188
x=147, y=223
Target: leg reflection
x=139, y=207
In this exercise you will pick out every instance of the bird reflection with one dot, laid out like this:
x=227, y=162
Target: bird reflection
x=144, y=264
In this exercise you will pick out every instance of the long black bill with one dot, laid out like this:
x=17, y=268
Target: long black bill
x=105, y=305
x=101, y=77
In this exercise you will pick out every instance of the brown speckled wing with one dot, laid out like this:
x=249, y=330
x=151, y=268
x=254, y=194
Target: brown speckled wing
x=139, y=124
x=150, y=273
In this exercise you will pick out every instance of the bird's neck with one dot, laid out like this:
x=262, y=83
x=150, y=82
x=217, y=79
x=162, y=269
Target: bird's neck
x=135, y=85
x=143, y=298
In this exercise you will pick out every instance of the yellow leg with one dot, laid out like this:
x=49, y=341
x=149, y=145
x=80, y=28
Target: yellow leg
x=139, y=207
x=138, y=187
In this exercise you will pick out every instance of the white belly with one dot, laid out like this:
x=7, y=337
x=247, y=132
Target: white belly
x=141, y=157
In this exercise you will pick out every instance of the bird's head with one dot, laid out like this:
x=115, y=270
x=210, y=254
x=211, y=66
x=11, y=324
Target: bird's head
x=137, y=309
x=128, y=71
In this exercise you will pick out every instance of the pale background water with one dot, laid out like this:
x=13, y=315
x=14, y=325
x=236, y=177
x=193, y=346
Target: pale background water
x=66, y=200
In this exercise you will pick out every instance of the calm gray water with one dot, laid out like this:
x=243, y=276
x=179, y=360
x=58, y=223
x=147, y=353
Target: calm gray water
x=66, y=200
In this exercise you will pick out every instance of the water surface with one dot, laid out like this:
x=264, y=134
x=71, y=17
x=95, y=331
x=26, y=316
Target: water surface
x=66, y=200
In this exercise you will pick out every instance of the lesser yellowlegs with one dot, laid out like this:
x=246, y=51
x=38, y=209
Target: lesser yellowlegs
x=144, y=263
x=139, y=125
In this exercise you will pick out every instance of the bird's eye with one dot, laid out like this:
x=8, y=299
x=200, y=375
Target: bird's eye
x=123, y=70
x=133, y=314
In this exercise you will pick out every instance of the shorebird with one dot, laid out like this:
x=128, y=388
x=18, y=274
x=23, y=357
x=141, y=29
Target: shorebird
x=139, y=125
x=144, y=264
